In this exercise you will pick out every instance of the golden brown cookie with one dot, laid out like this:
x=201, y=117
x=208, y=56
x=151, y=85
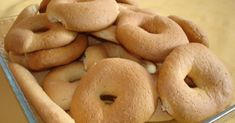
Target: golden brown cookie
x=114, y=90
x=61, y=82
x=214, y=87
x=45, y=59
x=151, y=37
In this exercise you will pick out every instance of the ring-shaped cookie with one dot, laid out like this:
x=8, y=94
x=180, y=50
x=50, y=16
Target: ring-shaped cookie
x=61, y=82
x=214, y=87
x=32, y=32
x=45, y=59
x=116, y=90
x=151, y=37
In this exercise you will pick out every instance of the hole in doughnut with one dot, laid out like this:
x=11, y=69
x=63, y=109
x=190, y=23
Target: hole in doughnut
x=189, y=81
x=108, y=99
x=41, y=30
x=72, y=81
x=150, y=27
x=147, y=29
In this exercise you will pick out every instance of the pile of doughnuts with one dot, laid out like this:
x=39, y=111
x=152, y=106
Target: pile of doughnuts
x=110, y=61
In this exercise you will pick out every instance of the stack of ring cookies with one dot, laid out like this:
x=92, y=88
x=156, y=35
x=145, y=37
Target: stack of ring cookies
x=110, y=61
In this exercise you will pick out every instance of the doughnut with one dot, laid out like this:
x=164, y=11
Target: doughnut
x=36, y=33
x=151, y=37
x=45, y=59
x=108, y=34
x=61, y=83
x=193, y=31
x=85, y=15
x=214, y=86
x=45, y=107
x=115, y=90
x=94, y=54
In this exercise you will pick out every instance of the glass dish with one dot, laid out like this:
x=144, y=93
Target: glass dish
x=221, y=117
x=17, y=91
